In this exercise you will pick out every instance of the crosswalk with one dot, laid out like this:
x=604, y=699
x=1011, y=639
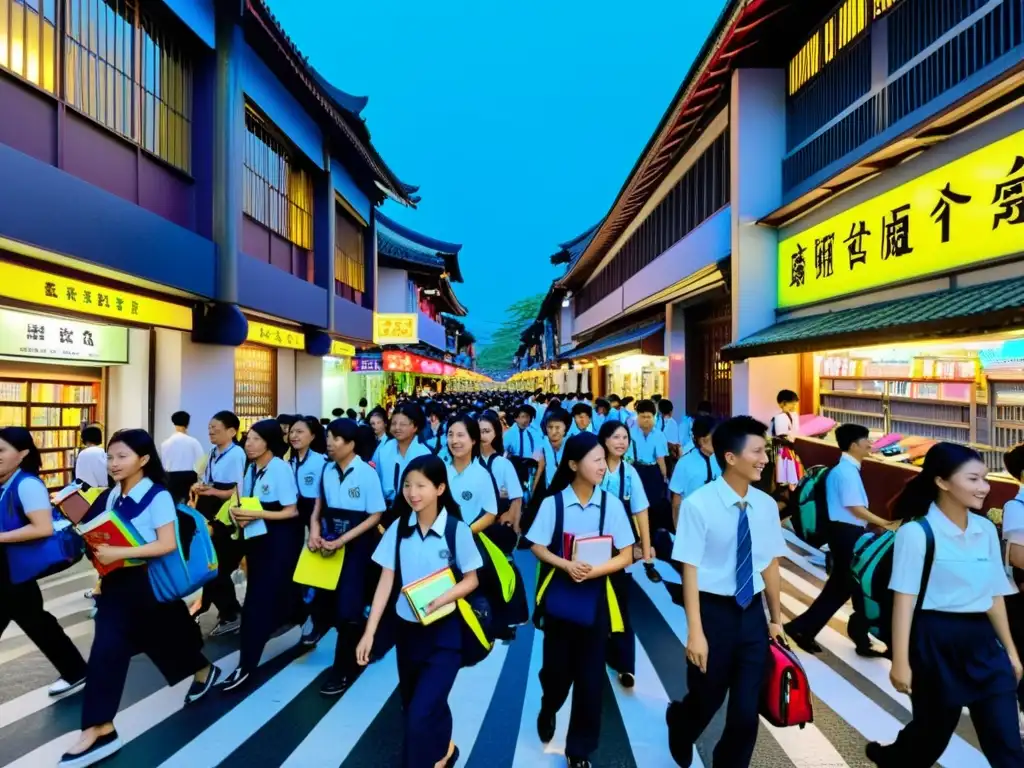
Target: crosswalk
x=283, y=721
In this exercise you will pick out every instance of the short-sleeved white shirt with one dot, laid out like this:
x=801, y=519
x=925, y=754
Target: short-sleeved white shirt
x=691, y=472
x=357, y=489
x=1013, y=519
x=307, y=473
x=472, y=490
x=391, y=464
x=180, y=453
x=159, y=513
x=707, y=535
x=91, y=467
x=505, y=477
x=634, y=491
x=581, y=520
x=275, y=482
x=226, y=466
x=844, y=488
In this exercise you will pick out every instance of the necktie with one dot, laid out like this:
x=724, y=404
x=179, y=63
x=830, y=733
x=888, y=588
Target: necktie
x=744, y=563
x=522, y=453
x=710, y=476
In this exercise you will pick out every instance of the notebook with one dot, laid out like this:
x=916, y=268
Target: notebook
x=72, y=504
x=422, y=591
x=107, y=528
x=256, y=527
x=315, y=569
x=593, y=550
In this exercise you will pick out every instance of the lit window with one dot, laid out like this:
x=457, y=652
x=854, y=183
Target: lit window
x=166, y=98
x=349, y=262
x=28, y=40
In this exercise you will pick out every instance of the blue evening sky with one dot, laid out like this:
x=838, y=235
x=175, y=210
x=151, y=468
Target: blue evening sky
x=518, y=120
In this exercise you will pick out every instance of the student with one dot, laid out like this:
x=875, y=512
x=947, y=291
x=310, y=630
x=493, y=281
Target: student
x=670, y=428
x=729, y=542
x=601, y=409
x=349, y=505
x=1013, y=534
x=540, y=406
x=271, y=549
x=394, y=455
x=649, y=450
x=429, y=656
x=696, y=468
x=622, y=481
x=549, y=453
x=130, y=620
x=627, y=415
x=180, y=454
x=785, y=425
x=307, y=463
x=954, y=650
x=91, y=462
x=849, y=517
x=507, y=485
x=351, y=414
x=521, y=440
x=378, y=421
x=222, y=478
x=433, y=434
x=577, y=617
x=582, y=419
x=22, y=603
x=470, y=484
x=363, y=404
x=615, y=406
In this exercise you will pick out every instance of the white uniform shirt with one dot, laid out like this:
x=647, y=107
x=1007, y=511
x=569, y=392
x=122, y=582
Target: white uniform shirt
x=521, y=442
x=225, y=466
x=159, y=513
x=505, y=477
x=91, y=467
x=307, y=474
x=472, y=490
x=356, y=489
x=1013, y=519
x=391, y=464
x=691, y=472
x=647, y=448
x=275, y=482
x=844, y=488
x=967, y=571
x=634, y=492
x=706, y=539
x=785, y=424
x=581, y=520
x=552, y=458
x=423, y=555
x=180, y=453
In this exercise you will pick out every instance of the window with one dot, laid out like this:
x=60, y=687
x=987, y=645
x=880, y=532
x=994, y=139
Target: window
x=277, y=192
x=841, y=28
x=28, y=40
x=349, y=259
x=166, y=98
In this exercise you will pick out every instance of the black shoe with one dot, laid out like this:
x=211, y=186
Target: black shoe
x=803, y=641
x=451, y=761
x=226, y=627
x=545, y=726
x=101, y=749
x=335, y=685
x=578, y=762
x=680, y=747
x=236, y=679
x=197, y=690
x=627, y=679
x=868, y=651
x=652, y=573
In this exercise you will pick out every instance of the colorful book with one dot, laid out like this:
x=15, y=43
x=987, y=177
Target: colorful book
x=108, y=528
x=422, y=592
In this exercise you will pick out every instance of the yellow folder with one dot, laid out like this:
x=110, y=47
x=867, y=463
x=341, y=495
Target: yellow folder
x=423, y=591
x=320, y=571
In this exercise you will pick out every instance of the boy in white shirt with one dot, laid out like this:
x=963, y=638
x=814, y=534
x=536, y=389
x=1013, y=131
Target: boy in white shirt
x=180, y=454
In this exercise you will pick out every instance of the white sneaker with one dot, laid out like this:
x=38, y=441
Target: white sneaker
x=62, y=687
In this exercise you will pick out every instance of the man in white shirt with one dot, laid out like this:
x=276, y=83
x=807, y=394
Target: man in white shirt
x=91, y=464
x=849, y=517
x=180, y=454
x=729, y=543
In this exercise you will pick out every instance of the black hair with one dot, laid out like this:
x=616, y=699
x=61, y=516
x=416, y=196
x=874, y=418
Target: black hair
x=655, y=398
x=942, y=461
x=362, y=402
x=412, y=412
x=286, y=419
x=324, y=422
x=608, y=429
x=1013, y=460
x=558, y=414
x=646, y=406
x=588, y=395
x=614, y=399
x=732, y=434
x=665, y=407
x=848, y=434
x=705, y=406
x=703, y=426
x=472, y=427
x=576, y=447
x=602, y=403
x=492, y=418
x=351, y=413
x=181, y=419
x=529, y=410
x=787, y=396
x=140, y=442
x=338, y=413
x=92, y=436
x=627, y=400
x=346, y=429
x=436, y=472
x=319, y=442
x=582, y=408
x=366, y=442
x=270, y=431
x=229, y=420
x=20, y=439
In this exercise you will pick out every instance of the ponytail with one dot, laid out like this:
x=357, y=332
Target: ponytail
x=943, y=460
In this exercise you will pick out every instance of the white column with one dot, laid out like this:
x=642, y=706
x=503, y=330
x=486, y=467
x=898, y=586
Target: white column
x=286, y=380
x=675, y=350
x=128, y=387
x=309, y=390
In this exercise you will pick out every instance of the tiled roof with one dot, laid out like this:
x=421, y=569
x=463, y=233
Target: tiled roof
x=353, y=104
x=571, y=250
x=621, y=339
x=959, y=312
x=391, y=244
x=411, y=240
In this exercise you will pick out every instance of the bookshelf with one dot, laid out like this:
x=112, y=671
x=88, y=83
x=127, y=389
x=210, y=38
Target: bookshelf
x=54, y=411
x=255, y=384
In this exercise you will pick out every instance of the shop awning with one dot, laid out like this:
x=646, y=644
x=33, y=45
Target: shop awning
x=959, y=312
x=617, y=342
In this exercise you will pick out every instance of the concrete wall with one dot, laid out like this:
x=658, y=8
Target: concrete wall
x=128, y=386
x=393, y=290
x=309, y=393
x=286, y=380
x=675, y=350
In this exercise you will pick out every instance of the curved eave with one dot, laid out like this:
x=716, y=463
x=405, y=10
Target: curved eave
x=447, y=295
x=426, y=241
x=352, y=104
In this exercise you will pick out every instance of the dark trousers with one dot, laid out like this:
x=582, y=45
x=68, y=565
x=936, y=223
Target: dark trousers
x=842, y=537
x=738, y=648
x=428, y=663
x=1015, y=615
x=23, y=604
x=129, y=620
x=621, y=653
x=574, y=657
x=271, y=595
x=180, y=485
x=221, y=591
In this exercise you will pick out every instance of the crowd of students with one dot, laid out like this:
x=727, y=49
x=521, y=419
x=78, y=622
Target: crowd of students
x=460, y=481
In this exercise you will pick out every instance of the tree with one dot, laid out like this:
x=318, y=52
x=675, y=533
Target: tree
x=497, y=354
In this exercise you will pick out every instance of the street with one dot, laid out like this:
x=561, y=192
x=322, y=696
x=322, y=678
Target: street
x=284, y=721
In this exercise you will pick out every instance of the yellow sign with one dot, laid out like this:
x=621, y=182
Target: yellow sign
x=34, y=286
x=342, y=349
x=275, y=336
x=395, y=328
x=964, y=213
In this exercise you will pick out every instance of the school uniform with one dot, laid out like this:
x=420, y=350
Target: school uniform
x=669, y=427
x=729, y=540
x=788, y=470
x=521, y=443
x=576, y=617
x=391, y=465
x=575, y=429
x=1013, y=534
x=615, y=414
x=694, y=470
x=224, y=471
x=272, y=556
x=507, y=486
x=955, y=657
x=433, y=440
x=91, y=467
x=552, y=458
x=429, y=657
x=307, y=471
x=646, y=449
x=180, y=454
x=22, y=602
x=130, y=620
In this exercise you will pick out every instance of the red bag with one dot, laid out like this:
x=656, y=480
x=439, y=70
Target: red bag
x=786, y=694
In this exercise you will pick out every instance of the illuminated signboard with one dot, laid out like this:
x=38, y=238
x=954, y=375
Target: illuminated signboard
x=53, y=338
x=341, y=349
x=406, y=362
x=395, y=328
x=276, y=336
x=367, y=364
x=34, y=286
x=964, y=213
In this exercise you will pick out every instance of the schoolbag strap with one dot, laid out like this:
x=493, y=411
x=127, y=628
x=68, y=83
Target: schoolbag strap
x=929, y=559
x=488, y=465
x=555, y=547
x=451, y=525
x=604, y=506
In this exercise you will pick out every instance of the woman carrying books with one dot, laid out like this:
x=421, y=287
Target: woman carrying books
x=581, y=535
x=429, y=634
x=345, y=517
x=273, y=537
x=307, y=462
x=26, y=516
x=130, y=620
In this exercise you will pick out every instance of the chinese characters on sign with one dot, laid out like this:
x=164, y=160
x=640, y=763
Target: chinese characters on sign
x=341, y=349
x=275, y=336
x=395, y=328
x=38, y=336
x=964, y=213
x=367, y=365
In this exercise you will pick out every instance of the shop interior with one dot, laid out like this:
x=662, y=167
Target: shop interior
x=634, y=375
x=255, y=384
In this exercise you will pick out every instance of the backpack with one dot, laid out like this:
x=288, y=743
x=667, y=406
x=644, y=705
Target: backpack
x=809, y=507
x=33, y=560
x=786, y=694
x=871, y=570
x=191, y=565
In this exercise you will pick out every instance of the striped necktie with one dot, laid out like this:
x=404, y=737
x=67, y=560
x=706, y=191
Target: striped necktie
x=744, y=562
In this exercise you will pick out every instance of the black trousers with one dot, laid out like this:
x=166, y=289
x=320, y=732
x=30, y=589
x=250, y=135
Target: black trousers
x=271, y=594
x=130, y=620
x=1015, y=616
x=221, y=591
x=842, y=537
x=738, y=649
x=23, y=604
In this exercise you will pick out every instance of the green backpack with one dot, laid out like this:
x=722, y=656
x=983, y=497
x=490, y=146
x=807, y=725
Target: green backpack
x=809, y=507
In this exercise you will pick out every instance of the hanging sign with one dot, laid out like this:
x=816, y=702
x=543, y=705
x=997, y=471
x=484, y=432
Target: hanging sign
x=341, y=349
x=275, y=336
x=27, y=335
x=364, y=364
x=391, y=328
x=964, y=213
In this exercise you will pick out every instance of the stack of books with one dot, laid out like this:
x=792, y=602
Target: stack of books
x=592, y=548
x=105, y=528
x=422, y=592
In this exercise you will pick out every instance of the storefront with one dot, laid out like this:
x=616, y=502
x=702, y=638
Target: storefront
x=269, y=373
x=628, y=363
x=348, y=379
x=414, y=374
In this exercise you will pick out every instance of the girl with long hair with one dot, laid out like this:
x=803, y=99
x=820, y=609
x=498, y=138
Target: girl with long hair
x=951, y=642
x=393, y=456
x=428, y=532
x=307, y=462
x=507, y=485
